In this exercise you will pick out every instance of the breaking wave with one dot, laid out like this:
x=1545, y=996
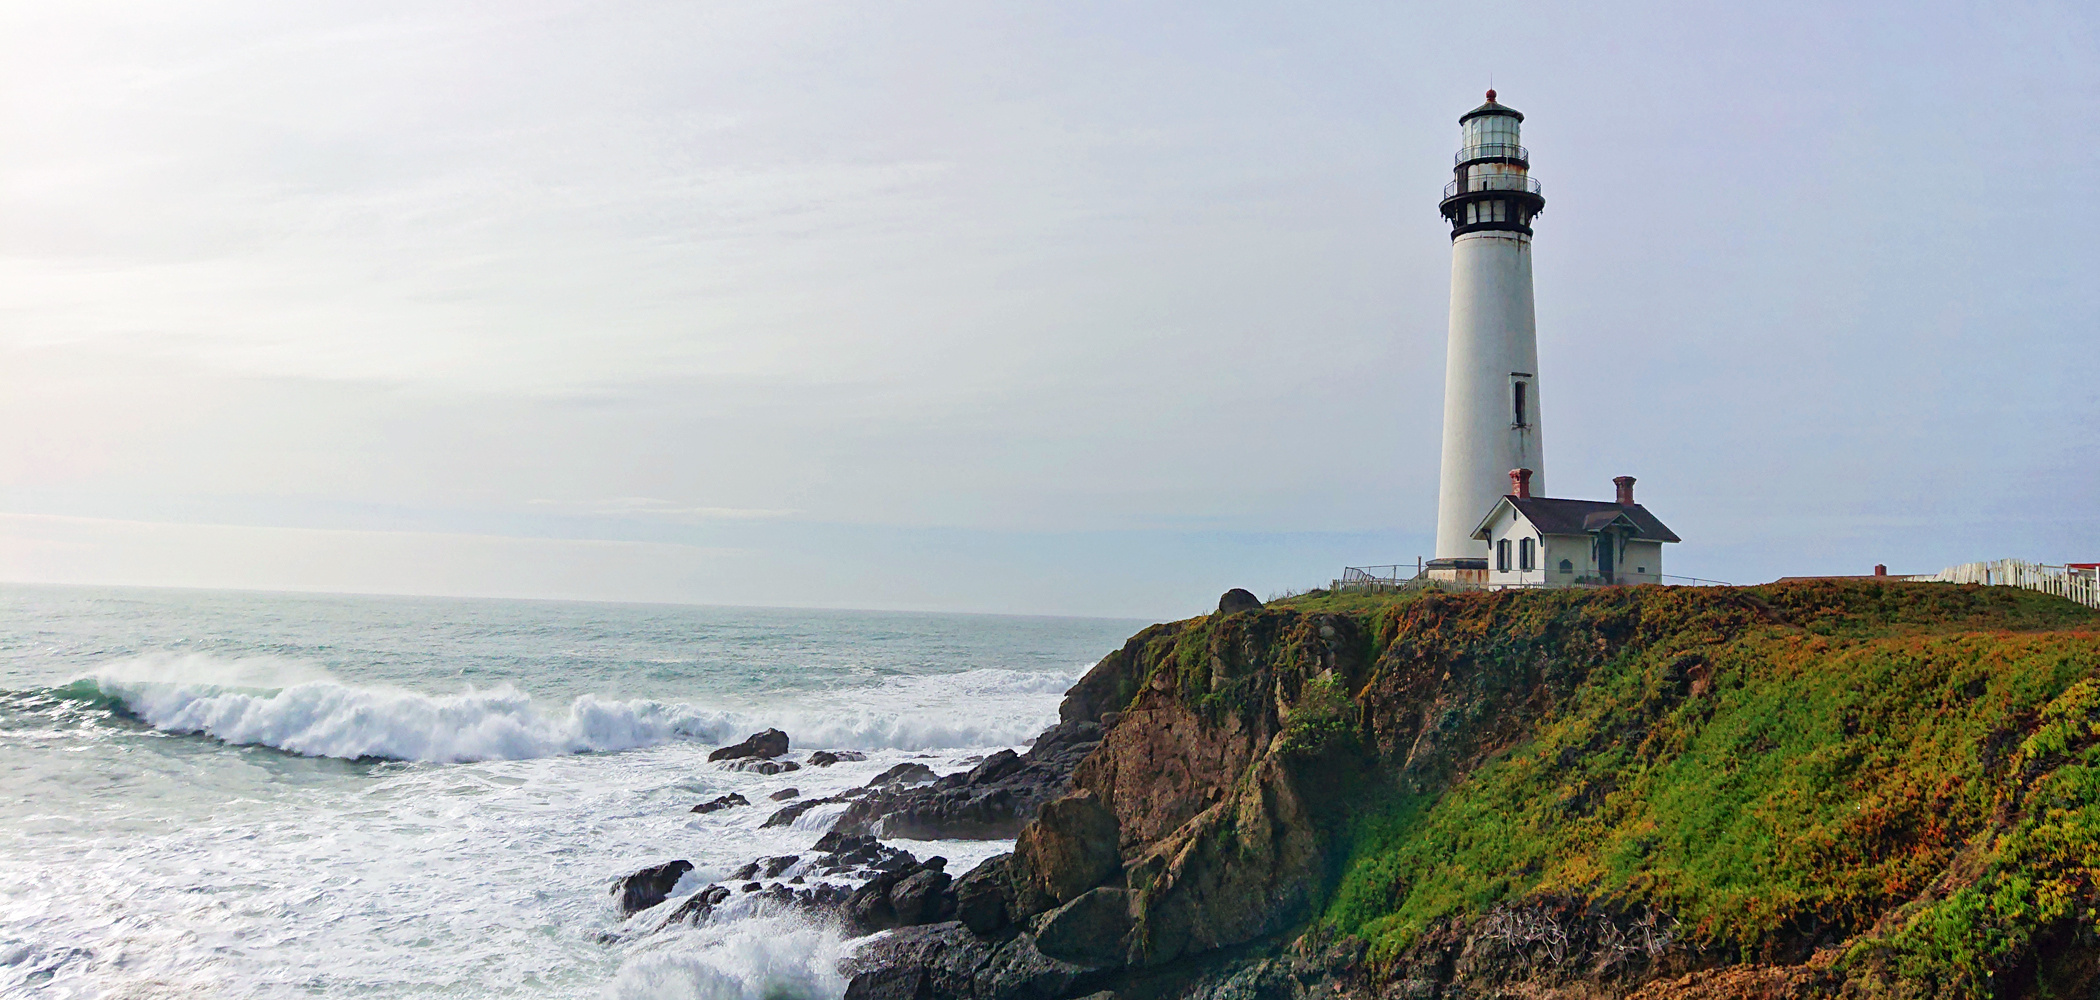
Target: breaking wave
x=301, y=708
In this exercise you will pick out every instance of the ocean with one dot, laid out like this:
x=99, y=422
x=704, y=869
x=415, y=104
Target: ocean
x=272, y=795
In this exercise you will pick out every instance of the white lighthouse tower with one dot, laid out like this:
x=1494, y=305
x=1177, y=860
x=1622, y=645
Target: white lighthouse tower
x=1491, y=388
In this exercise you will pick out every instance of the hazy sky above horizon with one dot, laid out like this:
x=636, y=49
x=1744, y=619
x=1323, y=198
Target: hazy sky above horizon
x=1059, y=308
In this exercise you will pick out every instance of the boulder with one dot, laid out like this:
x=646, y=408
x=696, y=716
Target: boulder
x=983, y=895
x=923, y=898
x=650, y=886
x=1237, y=600
x=785, y=794
x=826, y=758
x=908, y=773
x=771, y=743
x=793, y=811
x=945, y=961
x=991, y=801
x=1091, y=930
x=698, y=905
x=724, y=802
x=760, y=765
x=1072, y=846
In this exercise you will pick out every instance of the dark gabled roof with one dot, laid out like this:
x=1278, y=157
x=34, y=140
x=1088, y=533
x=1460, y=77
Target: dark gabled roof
x=1554, y=516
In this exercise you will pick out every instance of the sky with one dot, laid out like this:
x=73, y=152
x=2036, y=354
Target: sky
x=1071, y=308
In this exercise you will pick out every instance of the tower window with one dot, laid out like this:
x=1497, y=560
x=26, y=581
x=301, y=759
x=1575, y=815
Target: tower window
x=1519, y=404
x=1567, y=566
x=1525, y=557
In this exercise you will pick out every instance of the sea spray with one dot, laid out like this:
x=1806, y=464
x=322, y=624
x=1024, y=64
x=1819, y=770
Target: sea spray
x=762, y=957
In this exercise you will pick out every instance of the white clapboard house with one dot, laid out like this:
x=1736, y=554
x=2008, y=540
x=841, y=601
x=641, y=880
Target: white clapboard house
x=1552, y=542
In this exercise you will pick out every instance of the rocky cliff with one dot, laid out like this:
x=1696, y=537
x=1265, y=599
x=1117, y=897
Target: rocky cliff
x=1801, y=789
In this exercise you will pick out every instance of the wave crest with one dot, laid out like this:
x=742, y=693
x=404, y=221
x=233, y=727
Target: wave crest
x=300, y=708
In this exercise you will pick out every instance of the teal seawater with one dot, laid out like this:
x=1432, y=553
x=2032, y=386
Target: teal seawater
x=287, y=794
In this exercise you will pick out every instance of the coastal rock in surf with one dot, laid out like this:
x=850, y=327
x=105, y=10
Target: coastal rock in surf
x=771, y=743
x=760, y=765
x=944, y=960
x=724, y=802
x=907, y=773
x=785, y=794
x=991, y=801
x=826, y=758
x=650, y=886
x=787, y=816
x=1237, y=600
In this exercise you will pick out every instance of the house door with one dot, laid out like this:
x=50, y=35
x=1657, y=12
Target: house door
x=1604, y=554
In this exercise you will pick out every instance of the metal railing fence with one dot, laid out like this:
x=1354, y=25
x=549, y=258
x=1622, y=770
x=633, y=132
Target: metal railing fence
x=1496, y=182
x=2048, y=579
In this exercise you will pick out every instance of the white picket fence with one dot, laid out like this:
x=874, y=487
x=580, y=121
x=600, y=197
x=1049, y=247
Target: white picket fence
x=2019, y=573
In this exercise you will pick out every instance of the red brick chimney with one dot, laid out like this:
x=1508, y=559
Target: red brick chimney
x=1520, y=483
x=1625, y=485
x=1880, y=570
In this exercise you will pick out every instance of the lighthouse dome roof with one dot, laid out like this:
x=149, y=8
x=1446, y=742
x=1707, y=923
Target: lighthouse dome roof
x=1491, y=108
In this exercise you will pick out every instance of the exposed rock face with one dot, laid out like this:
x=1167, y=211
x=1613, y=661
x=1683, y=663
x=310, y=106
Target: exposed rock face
x=650, y=886
x=826, y=758
x=785, y=794
x=1205, y=788
x=722, y=802
x=1071, y=847
x=947, y=961
x=771, y=743
x=991, y=801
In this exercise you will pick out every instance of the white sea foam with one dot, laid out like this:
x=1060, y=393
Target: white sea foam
x=767, y=957
x=323, y=717
x=300, y=708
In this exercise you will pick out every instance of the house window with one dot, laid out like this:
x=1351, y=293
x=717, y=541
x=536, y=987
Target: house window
x=1520, y=404
x=1525, y=557
x=1502, y=555
x=1567, y=566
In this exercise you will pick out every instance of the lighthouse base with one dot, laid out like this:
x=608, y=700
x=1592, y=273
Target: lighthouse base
x=1457, y=569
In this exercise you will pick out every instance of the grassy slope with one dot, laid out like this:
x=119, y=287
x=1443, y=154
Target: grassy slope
x=1911, y=769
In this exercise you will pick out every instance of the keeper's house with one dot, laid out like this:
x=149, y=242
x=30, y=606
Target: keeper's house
x=1550, y=542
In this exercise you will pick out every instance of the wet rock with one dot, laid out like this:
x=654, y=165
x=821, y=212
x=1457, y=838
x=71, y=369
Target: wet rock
x=785, y=794
x=991, y=801
x=771, y=743
x=726, y=801
x=761, y=766
x=907, y=773
x=1090, y=930
x=794, y=811
x=983, y=895
x=826, y=758
x=699, y=905
x=897, y=983
x=945, y=961
x=650, y=886
x=923, y=898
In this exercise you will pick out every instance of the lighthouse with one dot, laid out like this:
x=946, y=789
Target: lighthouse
x=1491, y=371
